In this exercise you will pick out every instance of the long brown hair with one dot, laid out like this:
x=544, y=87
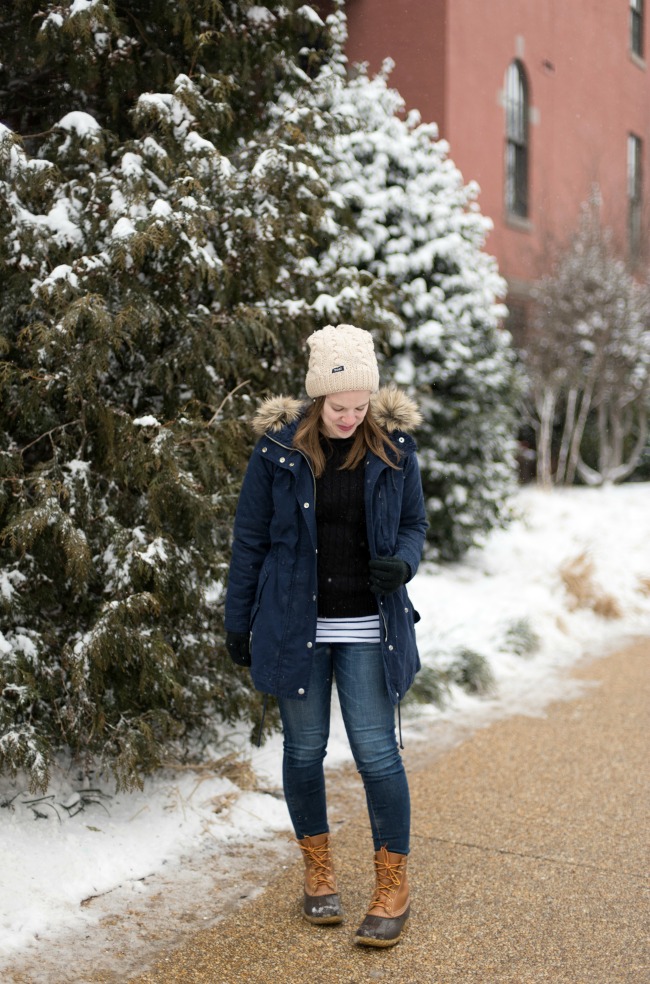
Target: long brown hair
x=368, y=437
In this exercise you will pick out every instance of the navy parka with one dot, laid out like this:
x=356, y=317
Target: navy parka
x=272, y=589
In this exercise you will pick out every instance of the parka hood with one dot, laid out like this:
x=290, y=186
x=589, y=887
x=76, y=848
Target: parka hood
x=393, y=411
x=276, y=412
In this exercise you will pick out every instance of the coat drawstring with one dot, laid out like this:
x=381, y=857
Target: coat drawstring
x=399, y=724
x=261, y=728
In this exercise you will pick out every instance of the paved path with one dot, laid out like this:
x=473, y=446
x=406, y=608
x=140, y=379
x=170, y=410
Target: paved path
x=530, y=863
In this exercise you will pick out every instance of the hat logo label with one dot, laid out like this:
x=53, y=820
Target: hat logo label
x=338, y=369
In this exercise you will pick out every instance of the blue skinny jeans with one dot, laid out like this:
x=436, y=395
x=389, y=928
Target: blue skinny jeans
x=369, y=718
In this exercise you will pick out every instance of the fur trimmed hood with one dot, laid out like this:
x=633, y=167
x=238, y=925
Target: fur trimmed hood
x=393, y=410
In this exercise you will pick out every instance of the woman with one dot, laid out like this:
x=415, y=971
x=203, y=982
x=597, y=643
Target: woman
x=330, y=526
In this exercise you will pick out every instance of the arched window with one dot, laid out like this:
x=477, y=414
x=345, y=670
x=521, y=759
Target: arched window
x=516, y=165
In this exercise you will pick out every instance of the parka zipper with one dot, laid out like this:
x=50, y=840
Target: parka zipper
x=379, y=606
x=383, y=618
x=288, y=447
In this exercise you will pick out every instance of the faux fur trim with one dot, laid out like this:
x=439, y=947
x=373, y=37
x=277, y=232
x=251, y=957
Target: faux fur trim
x=393, y=410
x=276, y=412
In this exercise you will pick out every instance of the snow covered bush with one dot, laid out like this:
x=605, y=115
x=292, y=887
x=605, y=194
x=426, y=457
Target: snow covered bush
x=415, y=226
x=587, y=357
x=187, y=190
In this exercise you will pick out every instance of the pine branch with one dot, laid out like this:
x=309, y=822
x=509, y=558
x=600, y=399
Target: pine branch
x=49, y=433
x=227, y=397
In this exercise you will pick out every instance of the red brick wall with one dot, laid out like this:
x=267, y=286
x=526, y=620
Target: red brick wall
x=587, y=92
x=414, y=34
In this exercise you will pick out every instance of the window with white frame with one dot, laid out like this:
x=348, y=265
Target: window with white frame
x=516, y=162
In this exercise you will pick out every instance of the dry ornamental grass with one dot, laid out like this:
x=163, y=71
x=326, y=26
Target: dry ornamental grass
x=578, y=579
x=644, y=585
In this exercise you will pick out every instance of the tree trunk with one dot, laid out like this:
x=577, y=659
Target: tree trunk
x=569, y=424
x=623, y=469
x=588, y=475
x=604, y=442
x=546, y=416
x=578, y=431
x=612, y=430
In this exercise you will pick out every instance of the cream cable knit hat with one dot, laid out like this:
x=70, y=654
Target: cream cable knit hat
x=341, y=359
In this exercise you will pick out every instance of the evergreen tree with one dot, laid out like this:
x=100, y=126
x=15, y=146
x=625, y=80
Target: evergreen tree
x=187, y=190
x=415, y=226
x=158, y=213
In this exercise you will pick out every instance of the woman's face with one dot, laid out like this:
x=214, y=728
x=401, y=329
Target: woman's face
x=343, y=412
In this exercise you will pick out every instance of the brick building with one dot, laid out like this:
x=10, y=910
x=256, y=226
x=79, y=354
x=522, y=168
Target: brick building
x=543, y=104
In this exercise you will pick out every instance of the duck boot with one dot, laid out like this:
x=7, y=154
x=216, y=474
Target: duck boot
x=390, y=906
x=322, y=904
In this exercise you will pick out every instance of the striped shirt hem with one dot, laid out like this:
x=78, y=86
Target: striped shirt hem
x=364, y=629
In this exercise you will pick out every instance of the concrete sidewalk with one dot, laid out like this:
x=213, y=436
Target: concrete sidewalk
x=530, y=863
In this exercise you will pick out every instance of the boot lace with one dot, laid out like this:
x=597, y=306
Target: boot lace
x=389, y=878
x=320, y=863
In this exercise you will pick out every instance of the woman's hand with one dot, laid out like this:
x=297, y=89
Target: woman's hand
x=387, y=574
x=239, y=648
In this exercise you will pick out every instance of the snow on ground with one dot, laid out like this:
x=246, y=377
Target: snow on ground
x=58, y=857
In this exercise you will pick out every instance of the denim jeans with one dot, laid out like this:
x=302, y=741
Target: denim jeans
x=369, y=718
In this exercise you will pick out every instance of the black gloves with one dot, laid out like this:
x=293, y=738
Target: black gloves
x=387, y=574
x=238, y=646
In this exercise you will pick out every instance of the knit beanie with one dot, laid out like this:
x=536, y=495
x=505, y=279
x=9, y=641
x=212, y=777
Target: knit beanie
x=341, y=359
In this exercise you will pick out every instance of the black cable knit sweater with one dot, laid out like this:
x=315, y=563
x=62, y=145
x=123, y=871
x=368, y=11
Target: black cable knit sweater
x=343, y=553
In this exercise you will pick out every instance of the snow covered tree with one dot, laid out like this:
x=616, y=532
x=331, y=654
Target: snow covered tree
x=415, y=225
x=587, y=356
x=187, y=190
x=157, y=220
